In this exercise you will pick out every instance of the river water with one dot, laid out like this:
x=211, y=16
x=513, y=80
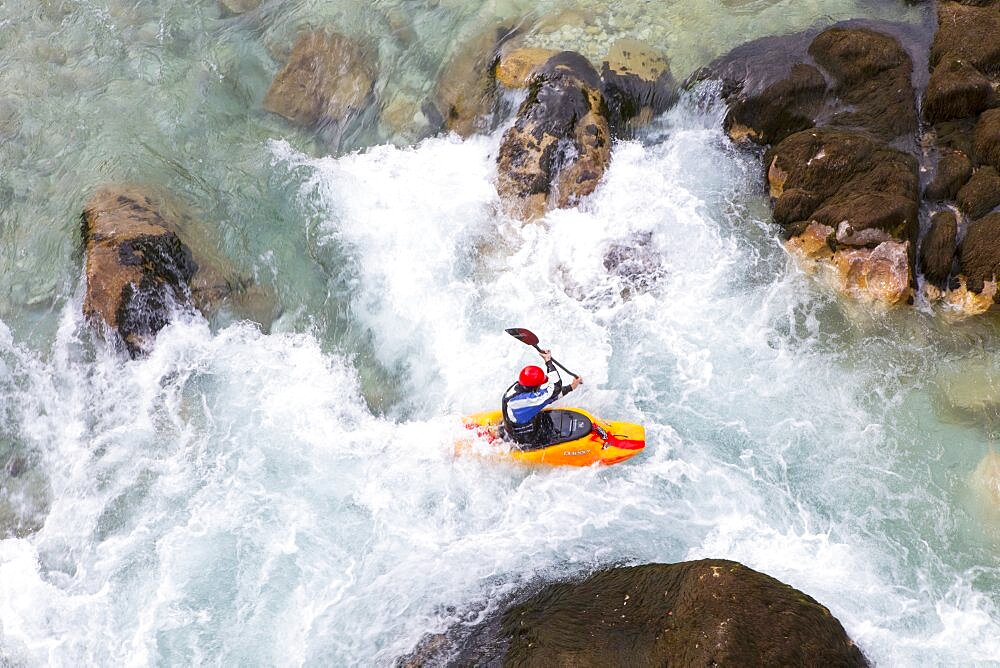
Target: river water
x=294, y=498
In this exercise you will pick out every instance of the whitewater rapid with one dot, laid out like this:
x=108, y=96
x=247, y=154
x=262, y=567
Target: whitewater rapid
x=235, y=497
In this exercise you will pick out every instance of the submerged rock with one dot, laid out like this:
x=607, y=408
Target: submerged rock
x=636, y=263
x=328, y=77
x=559, y=147
x=25, y=494
x=140, y=268
x=516, y=67
x=237, y=7
x=711, y=612
x=985, y=482
x=465, y=97
x=972, y=391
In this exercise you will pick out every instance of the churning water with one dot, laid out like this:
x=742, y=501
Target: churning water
x=294, y=497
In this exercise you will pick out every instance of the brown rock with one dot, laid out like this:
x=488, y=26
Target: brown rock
x=832, y=176
x=987, y=139
x=981, y=194
x=637, y=84
x=953, y=170
x=515, y=67
x=138, y=270
x=872, y=73
x=937, y=249
x=979, y=252
x=967, y=33
x=145, y=258
x=956, y=89
x=781, y=109
x=328, y=78
x=466, y=93
x=711, y=612
x=559, y=146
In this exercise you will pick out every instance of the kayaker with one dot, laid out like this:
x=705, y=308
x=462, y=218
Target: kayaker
x=524, y=400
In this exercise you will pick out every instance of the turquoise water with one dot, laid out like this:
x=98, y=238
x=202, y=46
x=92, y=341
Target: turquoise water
x=294, y=497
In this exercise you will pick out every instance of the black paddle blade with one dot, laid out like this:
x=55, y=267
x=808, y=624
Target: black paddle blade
x=523, y=335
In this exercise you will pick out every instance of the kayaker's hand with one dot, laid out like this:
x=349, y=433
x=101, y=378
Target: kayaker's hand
x=576, y=382
x=546, y=355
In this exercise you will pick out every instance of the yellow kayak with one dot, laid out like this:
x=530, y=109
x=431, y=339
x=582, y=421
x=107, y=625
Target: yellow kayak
x=578, y=438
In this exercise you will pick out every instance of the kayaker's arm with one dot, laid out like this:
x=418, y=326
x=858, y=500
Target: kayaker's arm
x=550, y=368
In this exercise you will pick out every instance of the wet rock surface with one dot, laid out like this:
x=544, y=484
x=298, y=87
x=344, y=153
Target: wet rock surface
x=979, y=252
x=465, y=98
x=937, y=251
x=710, y=612
x=637, y=85
x=834, y=176
x=559, y=147
x=327, y=79
x=838, y=112
x=138, y=270
x=981, y=193
x=953, y=169
x=141, y=269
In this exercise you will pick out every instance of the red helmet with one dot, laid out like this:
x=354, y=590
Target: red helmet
x=532, y=376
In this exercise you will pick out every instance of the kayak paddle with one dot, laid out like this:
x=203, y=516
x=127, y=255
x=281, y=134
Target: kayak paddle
x=527, y=336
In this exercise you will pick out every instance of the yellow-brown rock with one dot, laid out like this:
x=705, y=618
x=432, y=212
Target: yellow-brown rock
x=880, y=275
x=328, y=77
x=515, y=67
x=637, y=84
x=466, y=91
x=813, y=244
x=559, y=147
x=140, y=268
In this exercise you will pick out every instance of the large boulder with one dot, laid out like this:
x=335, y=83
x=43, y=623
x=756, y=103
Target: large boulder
x=863, y=189
x=327, y=79
x=711, y=612
x=141, y=268
x=854, y=76
x=138, y=270
x=560, y=144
